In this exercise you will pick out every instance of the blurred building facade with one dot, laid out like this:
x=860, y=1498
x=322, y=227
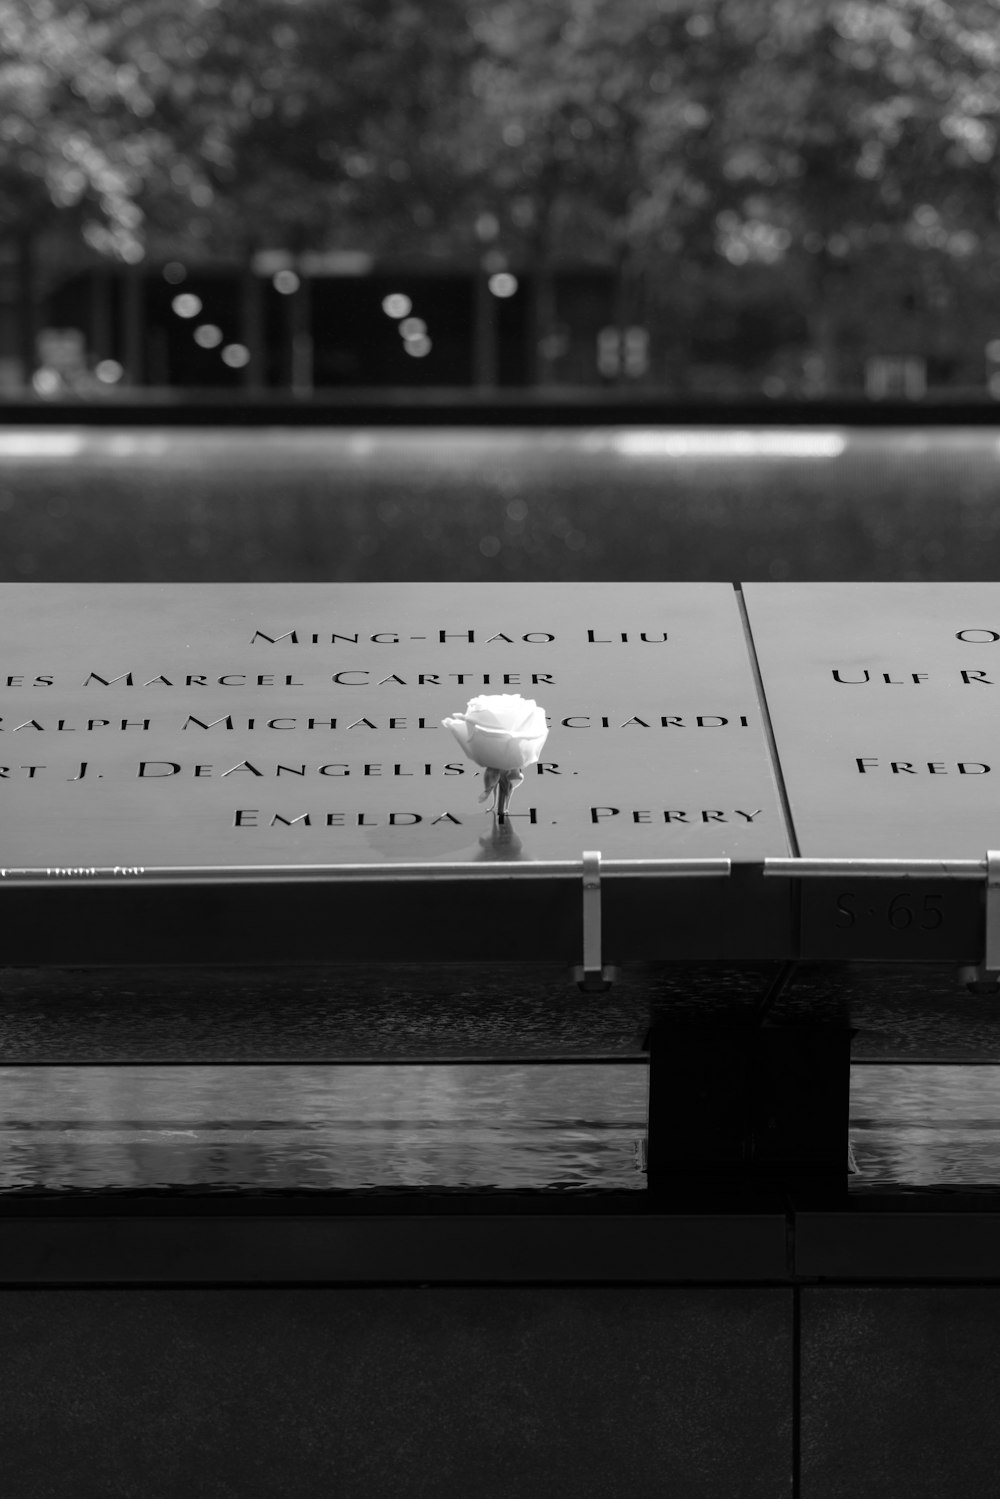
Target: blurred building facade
x=339, y=321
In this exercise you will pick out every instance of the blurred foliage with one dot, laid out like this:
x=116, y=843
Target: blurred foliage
x=78, y=135
x=836, y=156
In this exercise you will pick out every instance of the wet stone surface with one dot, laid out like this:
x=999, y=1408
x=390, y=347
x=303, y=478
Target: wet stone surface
x=899, y=1392
x=428, y=1394
x=907, y=1011
x=352, y=1011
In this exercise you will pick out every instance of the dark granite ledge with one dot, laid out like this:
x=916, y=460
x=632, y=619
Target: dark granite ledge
x=408, y=1249
x=491, y=1241
x=387, y=406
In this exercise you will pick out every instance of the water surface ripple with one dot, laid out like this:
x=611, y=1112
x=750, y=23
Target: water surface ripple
x=325, y=1128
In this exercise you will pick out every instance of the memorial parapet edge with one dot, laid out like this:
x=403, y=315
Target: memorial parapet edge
x=218, y=730
x=885, y=706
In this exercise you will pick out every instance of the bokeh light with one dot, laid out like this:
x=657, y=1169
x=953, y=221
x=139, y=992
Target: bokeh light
x=46, y=382
x=174, y=272
x=419, y=348
x=413, y=327
x=208, y=336
x=397, y=304
x=186, y=305
x=502, y=284
x=237, y=356
x=109, y=371
x=287, y=282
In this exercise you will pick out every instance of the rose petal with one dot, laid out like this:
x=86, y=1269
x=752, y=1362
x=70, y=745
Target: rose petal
x=460, y=729
x=500, y=731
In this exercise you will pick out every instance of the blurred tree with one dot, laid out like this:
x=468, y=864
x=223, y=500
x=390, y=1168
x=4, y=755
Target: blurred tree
x=838, y=152
x=852, y=151
x=76, y=141
x=550, y=143
x=206, y=128
x=297, y=123
x=833, y=160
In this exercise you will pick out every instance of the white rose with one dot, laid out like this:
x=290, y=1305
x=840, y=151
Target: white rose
x=500, y=732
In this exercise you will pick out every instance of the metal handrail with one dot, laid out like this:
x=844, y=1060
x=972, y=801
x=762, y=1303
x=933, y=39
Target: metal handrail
x=499, y=869
x=391, y=873
x=907, y=869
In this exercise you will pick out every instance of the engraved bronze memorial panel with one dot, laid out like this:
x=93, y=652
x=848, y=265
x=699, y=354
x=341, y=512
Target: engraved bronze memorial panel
x=884, y=702
x=185, y=756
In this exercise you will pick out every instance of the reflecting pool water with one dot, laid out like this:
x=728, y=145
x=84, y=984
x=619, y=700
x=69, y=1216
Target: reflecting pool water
x=349, y=1127
x=322, y=1127
x=424, y=503
x=926, y=1126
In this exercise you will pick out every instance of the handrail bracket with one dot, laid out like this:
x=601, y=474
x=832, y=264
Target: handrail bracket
x=593, y=977
x=984, y=977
